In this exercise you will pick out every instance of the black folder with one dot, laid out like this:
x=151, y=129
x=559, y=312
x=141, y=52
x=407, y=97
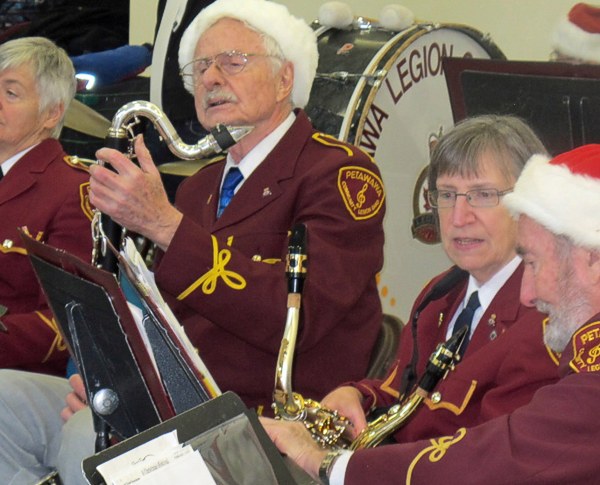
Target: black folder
x=230, y=439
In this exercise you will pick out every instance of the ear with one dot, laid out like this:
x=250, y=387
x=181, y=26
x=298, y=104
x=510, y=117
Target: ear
x=53, y=115
x=286, y=81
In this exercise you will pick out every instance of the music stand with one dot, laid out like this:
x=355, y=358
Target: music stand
x=129, y=387
x=559, y=101
x=207, y=428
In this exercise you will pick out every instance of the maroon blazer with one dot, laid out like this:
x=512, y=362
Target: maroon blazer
x=496, y=375
x=553, y=440
x=229, y=274
x=48, y=194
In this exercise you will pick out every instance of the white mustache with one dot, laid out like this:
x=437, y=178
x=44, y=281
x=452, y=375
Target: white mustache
x=218, y=95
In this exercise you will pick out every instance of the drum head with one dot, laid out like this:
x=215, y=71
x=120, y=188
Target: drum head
x=396, y=109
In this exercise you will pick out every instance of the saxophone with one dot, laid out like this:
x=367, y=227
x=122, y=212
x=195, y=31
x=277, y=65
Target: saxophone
x=326, y=426
x=108, y=235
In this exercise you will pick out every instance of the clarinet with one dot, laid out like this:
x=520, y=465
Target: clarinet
x=107, y=234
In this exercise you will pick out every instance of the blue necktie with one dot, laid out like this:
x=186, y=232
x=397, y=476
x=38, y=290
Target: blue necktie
x=465, y=319
x=232, y=179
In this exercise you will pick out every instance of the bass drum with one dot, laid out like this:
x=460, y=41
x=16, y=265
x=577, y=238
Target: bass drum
x=386, y=92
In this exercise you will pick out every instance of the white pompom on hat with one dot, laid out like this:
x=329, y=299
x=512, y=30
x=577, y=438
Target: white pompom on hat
x=562, y=194
x=296, y=39
x=578, y=35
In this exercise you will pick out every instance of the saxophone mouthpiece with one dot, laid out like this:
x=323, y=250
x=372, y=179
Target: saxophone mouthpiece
x=442, y=360
x=227, y=136
x=297, y=259
x=453, y=343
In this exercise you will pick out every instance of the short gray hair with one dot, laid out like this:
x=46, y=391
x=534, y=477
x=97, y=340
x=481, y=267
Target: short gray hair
x=459, y=151
x=52, y=68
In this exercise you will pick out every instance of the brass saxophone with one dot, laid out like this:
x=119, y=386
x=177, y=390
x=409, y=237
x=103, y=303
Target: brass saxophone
x=327, y=426
x=440, y=362
x=106, y=232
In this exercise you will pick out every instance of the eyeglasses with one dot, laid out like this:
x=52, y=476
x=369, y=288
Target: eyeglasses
x=229, y=62
x=443, y=199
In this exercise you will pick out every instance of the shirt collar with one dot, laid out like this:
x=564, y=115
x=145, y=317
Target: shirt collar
x=488, y=290
x=257, y=155
x=8, y=164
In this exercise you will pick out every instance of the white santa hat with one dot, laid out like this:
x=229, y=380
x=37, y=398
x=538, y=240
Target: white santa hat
x=297, y=40
x=578, y=35
x=562, y=194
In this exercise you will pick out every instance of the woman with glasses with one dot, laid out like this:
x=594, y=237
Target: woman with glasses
x=503, y=360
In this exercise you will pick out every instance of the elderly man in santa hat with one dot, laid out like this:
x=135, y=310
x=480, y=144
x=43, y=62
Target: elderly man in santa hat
x=553, y=439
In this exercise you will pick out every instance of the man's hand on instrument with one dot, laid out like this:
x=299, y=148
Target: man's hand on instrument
x=347, y=401
x=75, y=400
x=134, y=196
x=292, y=439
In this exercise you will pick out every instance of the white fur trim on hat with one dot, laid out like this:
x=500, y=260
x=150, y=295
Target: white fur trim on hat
x=297, y=40
x=565, y=203
x=574, y=41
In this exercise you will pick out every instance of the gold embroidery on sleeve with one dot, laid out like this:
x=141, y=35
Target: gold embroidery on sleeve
x=438, y=449
x=208, y=280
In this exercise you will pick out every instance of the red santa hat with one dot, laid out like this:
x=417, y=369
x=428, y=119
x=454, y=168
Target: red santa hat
x=297, y=40
x=578, y=35
x=562, y=194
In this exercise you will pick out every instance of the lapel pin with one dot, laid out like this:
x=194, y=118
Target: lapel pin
x=492, y=324
x=267, y=192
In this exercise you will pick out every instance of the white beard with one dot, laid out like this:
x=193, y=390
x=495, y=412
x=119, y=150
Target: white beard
x=565, y=318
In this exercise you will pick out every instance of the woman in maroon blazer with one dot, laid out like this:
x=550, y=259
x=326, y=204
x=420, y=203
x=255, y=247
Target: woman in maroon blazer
x=42, y=190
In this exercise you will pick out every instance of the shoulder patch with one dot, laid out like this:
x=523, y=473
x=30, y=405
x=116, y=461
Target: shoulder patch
x=84, y=198
x=78, y=163
x=362, y=192
x=586, y=348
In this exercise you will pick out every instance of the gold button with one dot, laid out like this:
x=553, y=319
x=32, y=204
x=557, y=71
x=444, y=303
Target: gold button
x=256, y=257
x=7, y=244
x=436, y=397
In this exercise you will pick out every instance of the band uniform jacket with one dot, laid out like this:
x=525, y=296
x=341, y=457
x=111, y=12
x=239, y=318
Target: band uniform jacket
x=553, y=440
x=228, y=275
x=504, y=364
x=46, y=193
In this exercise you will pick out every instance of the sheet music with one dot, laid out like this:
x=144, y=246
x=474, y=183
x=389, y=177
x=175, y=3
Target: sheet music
x=158, y=461
x=145, y=283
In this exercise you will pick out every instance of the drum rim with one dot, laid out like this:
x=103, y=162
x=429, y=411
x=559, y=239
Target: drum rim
x=362, y=96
